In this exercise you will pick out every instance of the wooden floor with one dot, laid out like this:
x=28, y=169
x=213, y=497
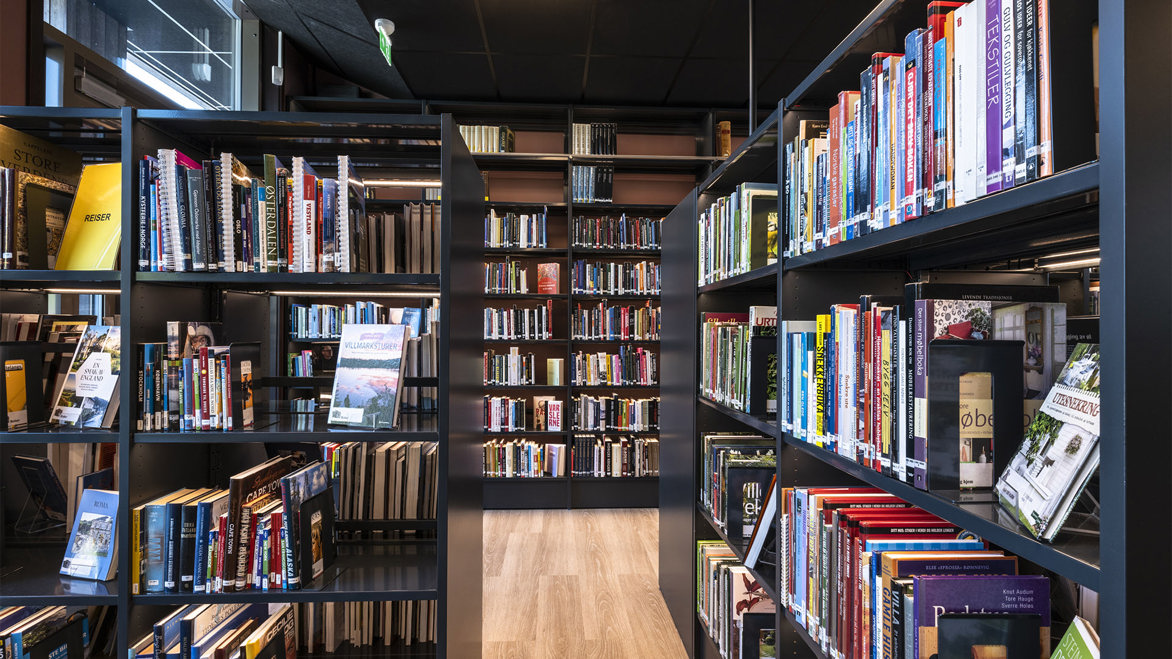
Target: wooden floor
x=580, y=583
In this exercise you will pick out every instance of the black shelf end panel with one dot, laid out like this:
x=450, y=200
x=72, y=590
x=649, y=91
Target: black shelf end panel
x=1044, y=216
x=761, y=279
x=526, y=493
x=396, y=571
x=65, y=280
x=1072, y=555
x=765, y=425
x=633, y=492
x=31, y=577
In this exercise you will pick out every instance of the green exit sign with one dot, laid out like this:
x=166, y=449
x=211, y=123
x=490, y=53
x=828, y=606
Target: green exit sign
x=384, y=45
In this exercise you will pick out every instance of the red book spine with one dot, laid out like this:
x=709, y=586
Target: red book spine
x=276, y=574
x=833, y=180
x=205, y=419
x=228, y=423
x=319, y=223
x=292, y=236
x=221, y=542
x=910, y=100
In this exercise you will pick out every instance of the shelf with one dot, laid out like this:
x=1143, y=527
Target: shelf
x=525, y=251
x=525, y=341
x=1071, y=555
x=59, y=435
x=624, y=296
x=761, y=279
x=358, y=282
x=605, y=387
x=610, y=341
x=611, y=206
x=30, y=577
x=525, y=296
x=522, y=161
x=754, y=160
x=760, y=424
x=396, y=571
x=1031, y=216
x=739, y=549
x=65, y=279
x=294, y=429
x=526, y=204
x=648, y=163
x=801, y=631
x=615, y=251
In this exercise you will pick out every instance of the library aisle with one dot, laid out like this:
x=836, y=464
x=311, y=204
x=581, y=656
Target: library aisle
x=574, y=583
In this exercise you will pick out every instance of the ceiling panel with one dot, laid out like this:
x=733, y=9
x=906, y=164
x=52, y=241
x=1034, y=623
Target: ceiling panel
x=631, y=80
x=711, y=82
x=785, y=76
x=446, y=75
x=555, y=78
x=537, y=26
x=359, y=59
x=343, y=16
x=657, y=28
x=724, y=32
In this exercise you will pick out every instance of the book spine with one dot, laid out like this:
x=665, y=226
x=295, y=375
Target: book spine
x=940, y=110
x=193, y=192
x=1008, y=91
x=144, y=218
x=186, y=549
x=174, y=528
x=183, y=257
x=137, y=545
x=243, y=549
x=205, y=421
x=1019, y=91
x=993, y=95
x=923, y=329
x=1030, y=102
x=200, y=567
x=908, y=102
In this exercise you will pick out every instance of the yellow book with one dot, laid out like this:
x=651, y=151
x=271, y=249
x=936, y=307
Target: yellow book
x=14, y=386
x=94, y=230
x=136, y=549
x=820, y=383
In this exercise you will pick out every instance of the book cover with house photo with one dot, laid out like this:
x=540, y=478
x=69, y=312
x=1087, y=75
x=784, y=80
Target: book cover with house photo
x=1060, y=451
x=366, y=381
x=89, y=395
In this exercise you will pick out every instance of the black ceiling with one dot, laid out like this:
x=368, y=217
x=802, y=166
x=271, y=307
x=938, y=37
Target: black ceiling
x=608, y=52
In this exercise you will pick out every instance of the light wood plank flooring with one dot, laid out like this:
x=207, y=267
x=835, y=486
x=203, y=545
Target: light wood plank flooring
x=575, y=583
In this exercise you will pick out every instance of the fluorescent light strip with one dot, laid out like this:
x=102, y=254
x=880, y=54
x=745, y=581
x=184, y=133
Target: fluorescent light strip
x=388, y=183
x=1077, y=252
x=1080, y=263
x=157, y=83
x=421, y=294
x=82, y=291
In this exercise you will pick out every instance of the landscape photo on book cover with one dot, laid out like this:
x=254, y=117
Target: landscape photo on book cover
x=366, y=381
x=92, y=378
x=94, y=532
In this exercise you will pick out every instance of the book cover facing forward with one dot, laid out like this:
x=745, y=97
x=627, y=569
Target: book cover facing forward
x=94, y=229
x=366, y=382
x=92, y=550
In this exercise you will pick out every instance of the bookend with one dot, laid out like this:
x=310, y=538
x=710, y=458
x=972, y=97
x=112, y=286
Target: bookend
x=33, y=518
x=948, y=362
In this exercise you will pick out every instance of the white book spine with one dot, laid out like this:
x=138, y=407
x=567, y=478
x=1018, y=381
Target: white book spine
x=226, y=214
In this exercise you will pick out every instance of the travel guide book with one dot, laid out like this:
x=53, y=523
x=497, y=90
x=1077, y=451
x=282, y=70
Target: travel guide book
x=92, y=552
x=89, y=396
x=366, y=382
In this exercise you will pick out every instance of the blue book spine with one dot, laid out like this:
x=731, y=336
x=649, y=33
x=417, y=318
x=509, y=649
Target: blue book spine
x=848, y=228
x=202, y=513
x=173, y=528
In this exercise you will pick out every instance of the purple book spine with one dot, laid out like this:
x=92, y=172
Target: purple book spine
x=1024, y=594
x=922, y=329
x=992, y=96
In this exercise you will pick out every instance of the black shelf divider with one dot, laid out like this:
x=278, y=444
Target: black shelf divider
x=761, y=424
x=763, y=278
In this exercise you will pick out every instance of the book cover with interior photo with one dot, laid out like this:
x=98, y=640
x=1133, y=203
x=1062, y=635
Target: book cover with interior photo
x=366, y=381
x=1060, y=451
x=89, y=396
x=92, y=552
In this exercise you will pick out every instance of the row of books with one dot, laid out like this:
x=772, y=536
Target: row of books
x=57, y=632
x=305, y=364
x=733, y=606
x=630, y=365
x=866, y=574
x=615, y=278
x=598, y=138
x=519, y=323
x=489, y=139
x=284, y=631
x=738, y=233
x=512, y=277
x=515, y=230
x=592, y=184
x=610, y=413
x=389, y=480
x=603, y=322
x=511, y=369
x=325, y=321
x=963, y=112
x=738, y=469
x=421, y=360
x=271, y=529
x=516, y=458
x=197, y=392
x=622, y=232
x=216, y=216
x=407, y=242
x=738, y=359
x=511, y=414
x=614, y=457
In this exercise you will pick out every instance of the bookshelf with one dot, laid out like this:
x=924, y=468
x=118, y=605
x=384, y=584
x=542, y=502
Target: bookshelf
x=442, y=561
x=1098, y=197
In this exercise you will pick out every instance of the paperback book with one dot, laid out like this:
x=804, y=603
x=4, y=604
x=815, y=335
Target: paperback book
x=366, y=382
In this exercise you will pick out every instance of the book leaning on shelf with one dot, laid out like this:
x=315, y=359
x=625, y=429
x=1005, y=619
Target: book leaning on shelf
x=89, y=396
x=37, y=186
x=92, y=551
x=55, y=632
x=367, y=383
x=217, y=216
x=963, y=112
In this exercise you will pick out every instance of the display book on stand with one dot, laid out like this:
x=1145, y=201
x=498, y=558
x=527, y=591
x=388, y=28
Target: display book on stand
x=928, y=389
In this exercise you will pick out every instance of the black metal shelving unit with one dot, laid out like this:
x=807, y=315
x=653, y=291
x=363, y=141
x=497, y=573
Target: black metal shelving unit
x=1108, y=191
x=445, y=565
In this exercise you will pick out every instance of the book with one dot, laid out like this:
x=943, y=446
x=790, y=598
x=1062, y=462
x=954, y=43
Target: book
x=243, y=489
x=37, y=207
x=1060, y=450
x=15, y=395
x=936, y=596
x=548, y=278
x=43, y=485
x=316, y=540
x=297, y=488
x=366, y=384
x=1079, y=642
x=93, y=231
x=93, y=548
x=988, y=635
x=89, y=396
x=745, y=481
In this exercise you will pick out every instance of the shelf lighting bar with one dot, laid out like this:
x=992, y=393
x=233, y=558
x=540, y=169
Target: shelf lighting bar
x=1079, y=263
x=80, y=291
x=418, y=294
x=409, y=183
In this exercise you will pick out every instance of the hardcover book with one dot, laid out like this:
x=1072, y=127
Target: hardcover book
x=316, y=535
x=548, y=278
x=1079, y=642
x=936, y=596
x=988, y=636
x=93, y=548
x=1060, y=451
x=366, y=382
x=745, y=480
x=89, y=396
x=297, y=488
x=94, y=229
